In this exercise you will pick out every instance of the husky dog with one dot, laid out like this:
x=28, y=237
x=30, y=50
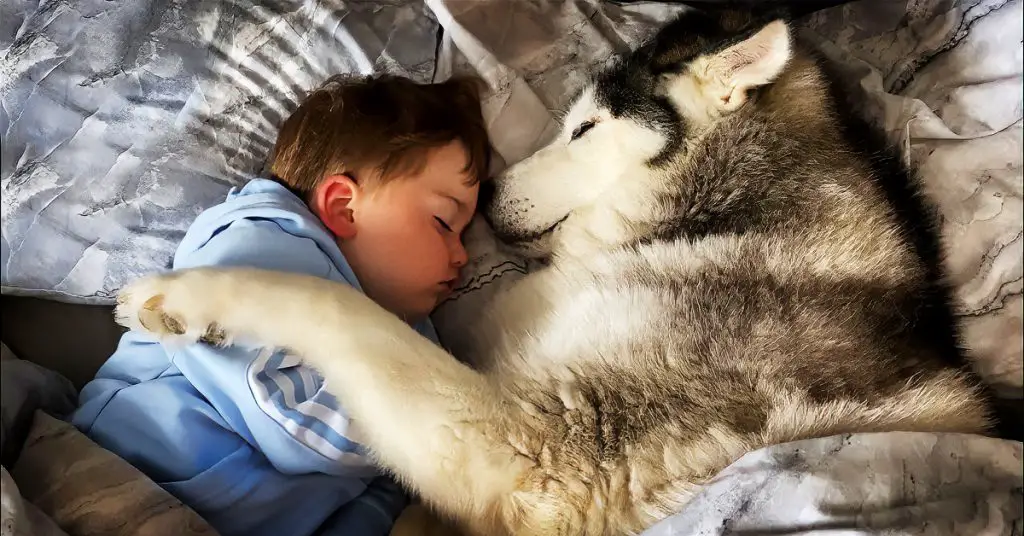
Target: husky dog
x=733, y=263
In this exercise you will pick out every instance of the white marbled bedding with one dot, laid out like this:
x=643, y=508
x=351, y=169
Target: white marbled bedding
x=121, y=120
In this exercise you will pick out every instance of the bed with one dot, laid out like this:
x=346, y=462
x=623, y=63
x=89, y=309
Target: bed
x=123, y=120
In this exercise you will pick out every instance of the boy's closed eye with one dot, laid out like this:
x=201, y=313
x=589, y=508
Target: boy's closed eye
x=444, y=225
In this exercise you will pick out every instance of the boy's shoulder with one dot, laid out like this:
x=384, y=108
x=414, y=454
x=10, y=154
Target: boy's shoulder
x=263, y=225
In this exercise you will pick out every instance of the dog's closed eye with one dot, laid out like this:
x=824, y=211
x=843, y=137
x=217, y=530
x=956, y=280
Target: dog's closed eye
x=582, y=129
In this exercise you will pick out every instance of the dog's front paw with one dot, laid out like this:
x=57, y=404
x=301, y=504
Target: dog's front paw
x=177, y=308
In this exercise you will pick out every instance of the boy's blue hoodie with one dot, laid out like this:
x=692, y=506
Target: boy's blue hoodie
x=247, y=437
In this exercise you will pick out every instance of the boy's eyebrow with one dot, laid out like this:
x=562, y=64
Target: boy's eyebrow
x=458, y=202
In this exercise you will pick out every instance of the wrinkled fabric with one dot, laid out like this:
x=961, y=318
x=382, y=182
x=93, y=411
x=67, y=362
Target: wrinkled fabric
x=24, y=388
x=19, y=517
x=863, y=485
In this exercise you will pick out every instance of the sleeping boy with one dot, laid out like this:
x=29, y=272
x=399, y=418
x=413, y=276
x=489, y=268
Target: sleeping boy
x=374, y=180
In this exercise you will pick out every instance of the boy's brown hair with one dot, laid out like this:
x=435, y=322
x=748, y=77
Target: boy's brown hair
x=384, y=122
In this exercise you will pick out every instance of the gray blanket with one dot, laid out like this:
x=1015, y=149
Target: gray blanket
x=24, y=388
x=57, y=482
x=863, y=484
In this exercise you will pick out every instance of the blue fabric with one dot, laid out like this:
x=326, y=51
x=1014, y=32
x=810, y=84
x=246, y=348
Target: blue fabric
x=245, y=436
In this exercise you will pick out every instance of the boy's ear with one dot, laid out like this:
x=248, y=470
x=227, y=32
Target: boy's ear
x=332, y=203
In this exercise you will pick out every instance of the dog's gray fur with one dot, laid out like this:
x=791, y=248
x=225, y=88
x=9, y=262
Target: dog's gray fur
x=730, y=268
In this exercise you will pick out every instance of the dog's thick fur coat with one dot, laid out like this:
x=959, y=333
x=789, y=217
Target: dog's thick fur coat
x=730, y=267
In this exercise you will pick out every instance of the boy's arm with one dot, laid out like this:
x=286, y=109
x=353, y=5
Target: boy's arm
x=267, y=397
x=279, y=406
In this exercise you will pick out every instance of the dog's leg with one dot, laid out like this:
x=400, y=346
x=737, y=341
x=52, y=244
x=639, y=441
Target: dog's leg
x=438, y=424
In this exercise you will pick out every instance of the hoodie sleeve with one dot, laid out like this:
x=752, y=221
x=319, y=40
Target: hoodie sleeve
x=268, y=397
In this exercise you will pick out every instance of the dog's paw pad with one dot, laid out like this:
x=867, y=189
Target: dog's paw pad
x=153, y=317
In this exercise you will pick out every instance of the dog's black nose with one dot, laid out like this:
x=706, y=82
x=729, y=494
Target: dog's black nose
x=485, y=197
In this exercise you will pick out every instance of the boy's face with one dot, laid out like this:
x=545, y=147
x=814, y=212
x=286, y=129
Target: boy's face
x=403, y=239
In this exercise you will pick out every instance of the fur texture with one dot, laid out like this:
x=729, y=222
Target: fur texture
x=728, y=270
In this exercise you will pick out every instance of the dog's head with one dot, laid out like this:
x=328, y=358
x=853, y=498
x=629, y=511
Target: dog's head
x=597, y=181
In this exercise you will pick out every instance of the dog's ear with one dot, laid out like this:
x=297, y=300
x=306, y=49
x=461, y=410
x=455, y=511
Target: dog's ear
x=730, y=73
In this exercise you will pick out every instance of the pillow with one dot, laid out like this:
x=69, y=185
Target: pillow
x=123, y=122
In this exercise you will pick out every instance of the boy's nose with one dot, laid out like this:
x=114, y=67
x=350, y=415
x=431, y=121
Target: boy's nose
x=459, y=256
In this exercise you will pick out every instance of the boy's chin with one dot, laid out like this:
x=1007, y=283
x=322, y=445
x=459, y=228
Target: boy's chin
x=417, y=313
